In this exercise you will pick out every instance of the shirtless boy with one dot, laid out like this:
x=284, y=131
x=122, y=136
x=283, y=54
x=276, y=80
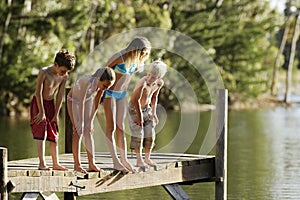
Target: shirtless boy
x=142, y=112
x=44, y=112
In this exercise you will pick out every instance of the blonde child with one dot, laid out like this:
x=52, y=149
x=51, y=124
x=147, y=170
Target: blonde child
x=44, y=111
x=142, y=112
x=83, y=100
x=124, y=63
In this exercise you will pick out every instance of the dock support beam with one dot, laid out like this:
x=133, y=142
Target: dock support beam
x=3, y=173
x=221, y=146
x=176, y=192
x=68, y=141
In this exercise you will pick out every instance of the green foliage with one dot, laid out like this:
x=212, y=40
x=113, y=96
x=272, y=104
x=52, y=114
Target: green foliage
x=236, y=34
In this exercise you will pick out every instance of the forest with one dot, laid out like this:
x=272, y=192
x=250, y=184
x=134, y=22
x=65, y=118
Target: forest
x=243, y=39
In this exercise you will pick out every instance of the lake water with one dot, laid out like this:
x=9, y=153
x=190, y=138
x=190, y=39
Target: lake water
x=263, y=153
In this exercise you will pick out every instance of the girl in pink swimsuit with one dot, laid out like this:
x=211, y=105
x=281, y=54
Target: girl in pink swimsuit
x=83, y=101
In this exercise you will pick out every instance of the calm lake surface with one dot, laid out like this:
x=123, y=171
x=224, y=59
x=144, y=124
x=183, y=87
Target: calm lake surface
x=263, y=153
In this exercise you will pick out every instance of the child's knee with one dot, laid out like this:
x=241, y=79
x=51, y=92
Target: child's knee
x=110, y=129
x=149, y=142
x=135, y=142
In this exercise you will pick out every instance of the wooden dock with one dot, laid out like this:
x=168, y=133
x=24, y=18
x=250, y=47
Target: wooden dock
x=171, y=168
x=22, y=176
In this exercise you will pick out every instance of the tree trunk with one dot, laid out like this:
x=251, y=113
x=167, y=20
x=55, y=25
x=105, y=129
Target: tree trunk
x=277, y=62
x=22, y=29
x=291, y=61
x=215, y=10
x=92, y=38
x=5, y=29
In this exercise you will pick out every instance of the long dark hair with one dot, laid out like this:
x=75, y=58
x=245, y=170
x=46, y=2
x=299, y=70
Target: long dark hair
x=105, y=74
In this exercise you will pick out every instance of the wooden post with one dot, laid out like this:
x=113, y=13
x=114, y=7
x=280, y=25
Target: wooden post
x=221, y=146
x=68, y=127
x=68, y=141
x=3, y=173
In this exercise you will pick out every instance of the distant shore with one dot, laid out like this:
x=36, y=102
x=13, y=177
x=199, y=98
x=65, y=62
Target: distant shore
x=263, y=102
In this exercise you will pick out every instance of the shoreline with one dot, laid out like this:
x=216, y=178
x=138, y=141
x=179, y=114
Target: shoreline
x=263, y=102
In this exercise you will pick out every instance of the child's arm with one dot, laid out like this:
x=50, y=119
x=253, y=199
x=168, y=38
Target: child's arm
x=59, y=99
x=97, y=99
x=154, y=101
x=97, y=102
x=79, y=92
x=39, y=98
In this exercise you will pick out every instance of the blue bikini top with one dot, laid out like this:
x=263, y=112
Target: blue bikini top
x=121, y=68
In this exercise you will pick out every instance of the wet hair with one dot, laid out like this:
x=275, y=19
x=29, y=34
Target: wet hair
x=158, y=68
x=65, y=58
x=105, y=74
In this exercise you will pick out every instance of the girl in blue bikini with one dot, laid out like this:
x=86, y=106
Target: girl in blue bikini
x=124, y=63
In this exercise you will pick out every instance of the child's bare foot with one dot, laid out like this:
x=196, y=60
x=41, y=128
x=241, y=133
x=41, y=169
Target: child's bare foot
x=44, y=167
x=120, y=167
x=141, y=163
x=128, y=166
x=80, y=169
x=94, y=168
x=59, y=167
x=150, y=162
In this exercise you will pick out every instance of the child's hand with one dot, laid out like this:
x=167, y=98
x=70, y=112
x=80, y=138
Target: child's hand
x=155, y=120
x=55, y=119
x=139, y=122
x=39, y=118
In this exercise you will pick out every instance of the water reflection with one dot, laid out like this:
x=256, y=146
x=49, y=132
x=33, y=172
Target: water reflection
x=263, y=154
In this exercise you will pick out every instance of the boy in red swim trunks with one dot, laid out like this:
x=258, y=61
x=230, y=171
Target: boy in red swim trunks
x=44, y=111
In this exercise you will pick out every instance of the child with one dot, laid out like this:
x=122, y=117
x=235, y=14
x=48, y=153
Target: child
x=142, y=112
x=124, y=63
x=43, y=112
x=83, y=101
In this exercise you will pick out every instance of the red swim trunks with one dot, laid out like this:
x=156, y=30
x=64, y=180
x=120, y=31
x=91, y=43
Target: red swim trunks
x=46, y=129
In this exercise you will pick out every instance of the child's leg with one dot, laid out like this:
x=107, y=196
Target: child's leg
x=90, y=149
x=147, y=157
x=135, y=143
x=89, y=115
x=121, y=143
x=149, y=134
x=139, y=158
x=41, y=155
x=54, y=154
x=76, y=140
x=121, y=140
x=110, y=108
x=137, y=135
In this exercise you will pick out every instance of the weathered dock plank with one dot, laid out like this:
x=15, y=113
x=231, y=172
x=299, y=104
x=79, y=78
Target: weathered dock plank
x=171, y=168
x=145, y=179
x=43, y=183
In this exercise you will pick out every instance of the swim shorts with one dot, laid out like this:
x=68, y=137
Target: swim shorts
x=45, y=129
x=145, y=134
